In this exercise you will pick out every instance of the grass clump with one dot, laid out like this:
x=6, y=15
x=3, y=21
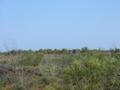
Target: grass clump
x=55, y=70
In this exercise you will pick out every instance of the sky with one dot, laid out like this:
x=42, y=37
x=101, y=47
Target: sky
x=35, y=24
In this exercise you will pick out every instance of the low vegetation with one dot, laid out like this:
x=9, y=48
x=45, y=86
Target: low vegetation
x=78, y=69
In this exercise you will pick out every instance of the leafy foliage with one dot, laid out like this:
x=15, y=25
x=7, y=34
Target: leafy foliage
x=83, y=69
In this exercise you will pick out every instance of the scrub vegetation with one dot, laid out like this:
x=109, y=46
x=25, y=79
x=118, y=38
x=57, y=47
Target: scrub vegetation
x=47, y=69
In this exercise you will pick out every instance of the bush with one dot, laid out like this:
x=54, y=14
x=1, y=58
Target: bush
x=30, y=59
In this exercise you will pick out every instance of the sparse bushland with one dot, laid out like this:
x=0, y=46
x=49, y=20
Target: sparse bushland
x=78, y=69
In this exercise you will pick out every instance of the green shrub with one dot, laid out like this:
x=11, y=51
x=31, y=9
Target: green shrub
x=30, y=59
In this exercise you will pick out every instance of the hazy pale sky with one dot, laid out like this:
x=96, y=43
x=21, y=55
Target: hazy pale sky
x=38, y=24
